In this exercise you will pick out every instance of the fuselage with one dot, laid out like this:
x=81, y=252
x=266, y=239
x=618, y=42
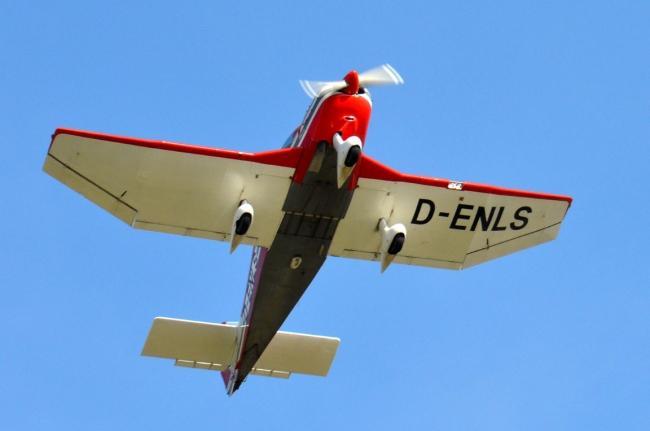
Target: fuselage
x=314, y=205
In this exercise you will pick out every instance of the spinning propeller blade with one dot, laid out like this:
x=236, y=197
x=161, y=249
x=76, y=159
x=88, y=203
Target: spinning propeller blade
x=382, y=75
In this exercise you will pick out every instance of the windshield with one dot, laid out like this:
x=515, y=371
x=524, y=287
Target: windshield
x=290, y=142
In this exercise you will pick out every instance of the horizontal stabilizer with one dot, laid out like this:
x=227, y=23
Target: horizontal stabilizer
x=212, y=346
x=209, y=345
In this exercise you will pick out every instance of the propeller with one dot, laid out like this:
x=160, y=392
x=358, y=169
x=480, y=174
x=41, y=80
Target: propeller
x=382, y=75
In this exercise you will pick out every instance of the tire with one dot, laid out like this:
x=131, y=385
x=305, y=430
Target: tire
x=242, y=225
x=354, y=153
x=396, y=244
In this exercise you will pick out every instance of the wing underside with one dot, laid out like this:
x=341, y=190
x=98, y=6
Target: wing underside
x=174, y=188
x=449, y=224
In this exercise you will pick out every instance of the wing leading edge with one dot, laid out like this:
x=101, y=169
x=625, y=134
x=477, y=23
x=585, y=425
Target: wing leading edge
x=449, y=224
x=174, y=188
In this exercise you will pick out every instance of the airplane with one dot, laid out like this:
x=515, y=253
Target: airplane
x=319, y=195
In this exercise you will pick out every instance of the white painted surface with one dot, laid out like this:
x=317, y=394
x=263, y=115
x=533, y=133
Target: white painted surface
x=169, y=191
x=435, y=244
x=210, y=346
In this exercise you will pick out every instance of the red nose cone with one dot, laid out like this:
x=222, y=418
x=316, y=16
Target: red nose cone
x=352, y=79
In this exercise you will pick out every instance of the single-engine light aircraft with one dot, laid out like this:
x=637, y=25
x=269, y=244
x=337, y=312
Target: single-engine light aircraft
x=319, y=195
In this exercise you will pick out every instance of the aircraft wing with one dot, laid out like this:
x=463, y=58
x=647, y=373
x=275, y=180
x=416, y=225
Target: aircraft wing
x=449, y=224
x=174, y=188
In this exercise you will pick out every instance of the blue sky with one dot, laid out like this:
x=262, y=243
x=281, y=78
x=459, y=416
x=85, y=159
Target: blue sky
x=549, y=96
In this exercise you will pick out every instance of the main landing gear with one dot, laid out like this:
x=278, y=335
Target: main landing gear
x=241, y=223
x=348, y=153
x=392, y=241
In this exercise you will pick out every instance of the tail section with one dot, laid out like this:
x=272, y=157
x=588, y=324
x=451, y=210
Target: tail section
x=213, y=346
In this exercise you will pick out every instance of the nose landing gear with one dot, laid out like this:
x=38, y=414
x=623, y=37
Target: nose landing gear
x=348, y=154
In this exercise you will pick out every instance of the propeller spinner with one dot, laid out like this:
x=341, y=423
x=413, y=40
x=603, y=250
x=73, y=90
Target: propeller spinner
x=382, y=75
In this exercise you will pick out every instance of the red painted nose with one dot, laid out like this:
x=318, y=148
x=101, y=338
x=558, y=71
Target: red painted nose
x=352, y=79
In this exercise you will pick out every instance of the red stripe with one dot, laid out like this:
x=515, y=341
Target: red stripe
x=287, y=157
x=372, y=169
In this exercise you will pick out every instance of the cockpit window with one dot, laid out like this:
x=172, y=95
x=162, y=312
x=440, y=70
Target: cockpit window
x=290, y=142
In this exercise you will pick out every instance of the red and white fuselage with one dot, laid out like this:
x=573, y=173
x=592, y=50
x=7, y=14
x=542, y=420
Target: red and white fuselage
x=334, y=123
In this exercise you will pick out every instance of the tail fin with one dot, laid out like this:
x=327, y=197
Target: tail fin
x=212, y=346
